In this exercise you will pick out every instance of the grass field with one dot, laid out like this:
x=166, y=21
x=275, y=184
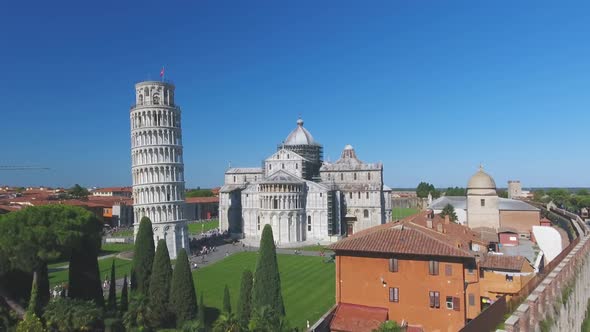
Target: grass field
x=112, y=248
x=308, y=286
x=201, y=227
x=315, y=247
x=400, y=213
x=123, y=233
x=122, y=267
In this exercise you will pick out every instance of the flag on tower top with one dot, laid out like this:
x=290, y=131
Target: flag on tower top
x=162, y=72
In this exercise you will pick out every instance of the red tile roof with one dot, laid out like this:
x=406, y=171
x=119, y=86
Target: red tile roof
x=503, y=262
x=202, y=199
x=400, y=238
x=357, y=318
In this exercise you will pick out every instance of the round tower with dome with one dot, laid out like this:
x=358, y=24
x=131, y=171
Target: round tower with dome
x=301, y=142
x=482, y=201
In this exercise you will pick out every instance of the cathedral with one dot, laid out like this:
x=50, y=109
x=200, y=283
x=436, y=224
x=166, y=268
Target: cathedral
x=303, y=198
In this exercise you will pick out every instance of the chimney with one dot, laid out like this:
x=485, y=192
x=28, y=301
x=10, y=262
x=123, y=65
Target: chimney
x=429, y=221
x=447, y=219
x=439, y=228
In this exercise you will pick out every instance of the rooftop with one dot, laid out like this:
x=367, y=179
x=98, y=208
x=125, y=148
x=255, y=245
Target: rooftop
x=357, y=318
x=300, y=136
x=502, y=262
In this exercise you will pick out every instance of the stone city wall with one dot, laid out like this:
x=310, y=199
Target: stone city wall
x=559, y=303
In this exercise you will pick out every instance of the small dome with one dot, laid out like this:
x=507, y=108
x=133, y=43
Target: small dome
x=348, y=147
x=481, y=180
x=300, y=136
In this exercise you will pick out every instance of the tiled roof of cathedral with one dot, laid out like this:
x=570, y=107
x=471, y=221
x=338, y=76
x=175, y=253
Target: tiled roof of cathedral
x=243, y=170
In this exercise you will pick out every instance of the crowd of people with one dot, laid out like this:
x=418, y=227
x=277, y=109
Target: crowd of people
x=59, y=291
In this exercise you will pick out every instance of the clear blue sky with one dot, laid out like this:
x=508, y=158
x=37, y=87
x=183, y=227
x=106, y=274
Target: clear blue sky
x=430, y=88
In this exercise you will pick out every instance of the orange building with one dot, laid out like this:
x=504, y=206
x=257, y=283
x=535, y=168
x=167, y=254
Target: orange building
x=502, y=275
x=405, y=269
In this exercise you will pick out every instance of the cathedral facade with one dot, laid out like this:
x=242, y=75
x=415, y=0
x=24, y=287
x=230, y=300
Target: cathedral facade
x=303, y=198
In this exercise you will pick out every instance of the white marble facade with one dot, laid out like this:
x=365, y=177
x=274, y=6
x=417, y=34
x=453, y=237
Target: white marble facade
x=305, y=199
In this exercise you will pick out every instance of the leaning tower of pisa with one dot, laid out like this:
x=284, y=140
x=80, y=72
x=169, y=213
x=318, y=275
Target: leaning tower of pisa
x=156, y=163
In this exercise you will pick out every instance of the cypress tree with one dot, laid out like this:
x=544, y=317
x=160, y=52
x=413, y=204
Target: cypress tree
x=159, y=289
x=34, y=302
x=84, y=278
x=183, y=299
x=245, y=300
x=267, y=282
x=43, y=284
x=112, y=300
x=201, y=314
x=143, y=256
x=124, y=296
x=226, y=300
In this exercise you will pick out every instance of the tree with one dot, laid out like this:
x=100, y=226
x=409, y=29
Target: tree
x=159, y=289
x=73, y=315
x=31, y=237
x=143, y=257
x=455, y=191
x=449, y=210
x=84, y=275
x=34, y=305
x=265, y=319
x=267, y=281
x=245, y=300
x=226, y=300
x=389, y=326
x=78, y=191
x=502, y=193
x=136, y=315
x=183, y=300
x=227, y=322
x=124, y=305
x=31, y=323
x=112, y=299
x=425, y=188
x=201, y=314
x=199, y=193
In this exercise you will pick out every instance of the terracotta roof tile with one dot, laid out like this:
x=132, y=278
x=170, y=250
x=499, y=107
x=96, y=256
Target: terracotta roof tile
x=357, y=318
x=503, y=262
x=399, y=238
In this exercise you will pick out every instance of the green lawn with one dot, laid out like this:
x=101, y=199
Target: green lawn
x=400, y=213
x=122, y=267
x=112, y=248
x=201, y=227
x=314, y=247
x=307, y=284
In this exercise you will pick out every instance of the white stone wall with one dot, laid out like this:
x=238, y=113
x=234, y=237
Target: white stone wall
x=284, y=160
x=242, y=178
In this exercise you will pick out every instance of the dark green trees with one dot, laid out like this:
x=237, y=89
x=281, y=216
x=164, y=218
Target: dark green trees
x=159, y=288
x=245, y=300
x=226, y=300
x=124, y=296
x=143, y=257
x=84, y=278
x=449, y=210
x=34, y=305
x=201, y=314
x=112, y=299
x=183, y=300
x=267, y=282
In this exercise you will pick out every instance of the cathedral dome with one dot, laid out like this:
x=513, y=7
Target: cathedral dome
x=481, y=180
x=300, y=136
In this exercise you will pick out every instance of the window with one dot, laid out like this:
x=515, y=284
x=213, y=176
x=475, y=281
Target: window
x=509, y=278
x=320, y=194
x=234, y=178
x=350, y=195
x=258, y=223
x=449, y=302
x=434, y=299
x=483, y=202
x=470, y=270
x=283, y=166
x=359, y=195
x=367, y=195
x=296, y=166
x=341, y=176
x=355, y=176
x=309, y=223
x=448, y=270
x=366, y=213
x=269, y=167
x=471, y=299
x=368, y=176
x=393, y=294
x=287, y=156
x=393, y=265
x=433, y=268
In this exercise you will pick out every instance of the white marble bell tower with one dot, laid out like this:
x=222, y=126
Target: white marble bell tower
x=156, y=164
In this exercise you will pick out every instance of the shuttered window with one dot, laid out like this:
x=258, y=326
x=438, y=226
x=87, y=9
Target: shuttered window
x=393, y=265
x=433, y=268
x=471, y=299
x=448, y=270
x=434, y=299
x=393, y=294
